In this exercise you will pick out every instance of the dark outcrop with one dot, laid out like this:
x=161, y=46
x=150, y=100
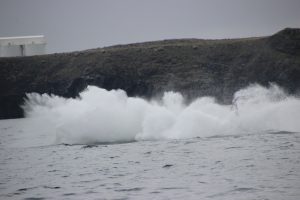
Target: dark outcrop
x=192, y=66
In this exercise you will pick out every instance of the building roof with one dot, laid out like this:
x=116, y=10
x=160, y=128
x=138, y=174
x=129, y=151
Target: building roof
x=22, y=40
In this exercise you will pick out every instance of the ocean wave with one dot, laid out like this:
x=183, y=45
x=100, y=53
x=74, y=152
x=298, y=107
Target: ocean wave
x=101, y=116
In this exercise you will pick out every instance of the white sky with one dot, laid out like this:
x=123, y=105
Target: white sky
x=82, y=24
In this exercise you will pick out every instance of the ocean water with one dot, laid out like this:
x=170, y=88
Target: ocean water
x=105, y=145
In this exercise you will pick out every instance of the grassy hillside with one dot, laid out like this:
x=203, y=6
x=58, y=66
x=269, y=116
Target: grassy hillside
x=192, y=66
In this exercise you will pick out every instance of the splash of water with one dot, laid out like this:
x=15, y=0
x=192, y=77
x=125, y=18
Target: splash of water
x=101, y=116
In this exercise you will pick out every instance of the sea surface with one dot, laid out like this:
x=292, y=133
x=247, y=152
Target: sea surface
x=106, y=145
x=258, y=165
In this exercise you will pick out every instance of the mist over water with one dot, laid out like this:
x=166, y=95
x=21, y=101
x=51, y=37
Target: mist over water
x=101, y=116
x=247, y=150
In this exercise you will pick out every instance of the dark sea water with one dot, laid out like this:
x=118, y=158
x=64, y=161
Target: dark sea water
x=262, y=165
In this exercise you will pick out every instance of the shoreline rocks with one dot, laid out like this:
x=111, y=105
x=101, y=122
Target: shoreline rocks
x=193, y=67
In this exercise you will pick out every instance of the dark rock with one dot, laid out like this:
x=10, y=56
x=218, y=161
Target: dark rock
x=89, y=146
x=191, y=66
x=287, y=41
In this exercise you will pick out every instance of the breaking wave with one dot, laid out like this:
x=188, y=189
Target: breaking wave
x=101, y=116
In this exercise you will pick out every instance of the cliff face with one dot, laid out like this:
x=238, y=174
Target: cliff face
x=194, y=67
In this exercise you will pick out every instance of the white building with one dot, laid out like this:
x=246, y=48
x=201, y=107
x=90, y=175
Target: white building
x=22, y=46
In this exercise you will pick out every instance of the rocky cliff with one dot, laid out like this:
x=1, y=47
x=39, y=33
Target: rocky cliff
x=192, y=66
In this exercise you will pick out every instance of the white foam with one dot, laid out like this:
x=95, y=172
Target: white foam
x=100, y=116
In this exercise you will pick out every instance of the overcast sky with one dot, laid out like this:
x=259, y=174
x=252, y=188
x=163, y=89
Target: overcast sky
x=76, y=25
